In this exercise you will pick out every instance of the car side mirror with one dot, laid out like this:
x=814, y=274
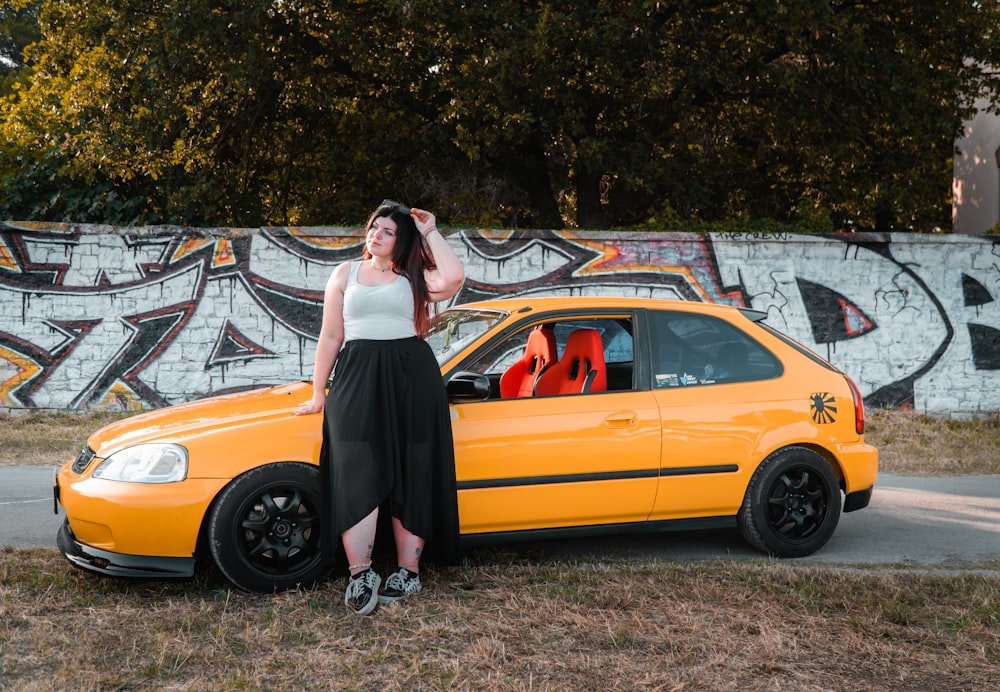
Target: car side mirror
x=468, y=386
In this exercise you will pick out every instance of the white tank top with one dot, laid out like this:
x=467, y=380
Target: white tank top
x=377, y=312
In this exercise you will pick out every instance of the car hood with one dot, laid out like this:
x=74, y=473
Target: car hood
x=186, y=421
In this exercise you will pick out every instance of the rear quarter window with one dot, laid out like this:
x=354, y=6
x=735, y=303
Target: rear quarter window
x=814, y=357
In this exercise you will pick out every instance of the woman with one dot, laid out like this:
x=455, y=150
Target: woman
x=386, y=428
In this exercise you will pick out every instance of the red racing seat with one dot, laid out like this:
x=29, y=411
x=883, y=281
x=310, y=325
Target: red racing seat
x=539, y=353
x=581, y=368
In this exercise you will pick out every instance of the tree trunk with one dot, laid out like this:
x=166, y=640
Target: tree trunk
x=530, y=170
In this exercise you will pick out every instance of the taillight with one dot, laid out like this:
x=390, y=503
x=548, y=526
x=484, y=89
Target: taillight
x=859, y=406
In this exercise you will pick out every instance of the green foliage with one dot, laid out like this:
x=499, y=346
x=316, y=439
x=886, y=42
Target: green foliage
x=669, y=222
x=544, y=113
x=18, y=28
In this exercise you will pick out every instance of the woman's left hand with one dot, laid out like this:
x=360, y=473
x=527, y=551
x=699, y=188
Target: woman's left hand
x=312, y=406
x=424, y=221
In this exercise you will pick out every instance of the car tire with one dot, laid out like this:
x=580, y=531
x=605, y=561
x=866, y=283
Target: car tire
x=792, y=504
x=264, y=529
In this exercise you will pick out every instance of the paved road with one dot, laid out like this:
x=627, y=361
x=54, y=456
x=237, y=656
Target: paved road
x=26, y=516
x=946, y=522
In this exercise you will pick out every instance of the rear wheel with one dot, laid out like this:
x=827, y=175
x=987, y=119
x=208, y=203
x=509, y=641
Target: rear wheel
x=264, y=528
x=792, y=504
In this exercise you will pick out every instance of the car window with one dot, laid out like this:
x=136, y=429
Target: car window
x=456, y=328
x=616, y=343
x=691, y=349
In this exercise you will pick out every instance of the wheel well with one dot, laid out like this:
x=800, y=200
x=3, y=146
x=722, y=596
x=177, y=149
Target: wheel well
x=825, y=453
x=202, y=552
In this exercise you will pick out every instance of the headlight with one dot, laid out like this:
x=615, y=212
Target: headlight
x=149, y=463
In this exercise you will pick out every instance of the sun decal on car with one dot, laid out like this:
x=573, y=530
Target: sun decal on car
x=823, y=407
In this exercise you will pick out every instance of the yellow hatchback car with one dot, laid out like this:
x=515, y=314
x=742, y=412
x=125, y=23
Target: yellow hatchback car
x=571, y=416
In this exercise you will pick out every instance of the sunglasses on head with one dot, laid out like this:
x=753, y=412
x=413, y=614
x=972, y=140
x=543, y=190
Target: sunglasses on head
x=402, y=208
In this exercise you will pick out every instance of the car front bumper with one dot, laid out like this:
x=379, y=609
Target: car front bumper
x=118, y=565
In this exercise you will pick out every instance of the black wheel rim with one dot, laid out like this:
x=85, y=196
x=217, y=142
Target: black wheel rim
x=278, y=532
x=797, y=503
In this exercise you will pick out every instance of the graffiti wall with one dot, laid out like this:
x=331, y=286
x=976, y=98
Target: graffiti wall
x=138, y=318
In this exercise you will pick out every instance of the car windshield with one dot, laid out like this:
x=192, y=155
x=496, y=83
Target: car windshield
x=456, y=328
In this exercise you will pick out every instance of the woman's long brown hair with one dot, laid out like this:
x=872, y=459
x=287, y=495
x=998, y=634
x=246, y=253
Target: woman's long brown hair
x=411, y=258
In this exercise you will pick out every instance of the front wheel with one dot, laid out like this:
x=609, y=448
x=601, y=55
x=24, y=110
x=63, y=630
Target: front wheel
x=792, y=504
x=264, y=528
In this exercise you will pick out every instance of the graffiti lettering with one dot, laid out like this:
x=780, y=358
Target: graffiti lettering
x=141, y=318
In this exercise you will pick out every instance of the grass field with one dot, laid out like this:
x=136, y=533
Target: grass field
x=505, y=620
x=502, y=623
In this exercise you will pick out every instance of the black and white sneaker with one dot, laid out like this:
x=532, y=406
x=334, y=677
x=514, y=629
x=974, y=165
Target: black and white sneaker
x=362, y=592
x=399, y=584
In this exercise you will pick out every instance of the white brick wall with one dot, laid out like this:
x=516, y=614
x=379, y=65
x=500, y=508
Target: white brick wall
x=93, y=316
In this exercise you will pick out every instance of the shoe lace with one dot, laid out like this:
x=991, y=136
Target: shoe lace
x=362, y=584
x=396, y=581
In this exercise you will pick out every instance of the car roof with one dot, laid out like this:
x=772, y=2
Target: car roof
x=548, y=303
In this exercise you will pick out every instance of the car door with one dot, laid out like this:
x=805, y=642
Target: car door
x=565, y=460
x=715, y=387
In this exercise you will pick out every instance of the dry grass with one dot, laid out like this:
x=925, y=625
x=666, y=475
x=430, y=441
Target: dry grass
x=506, y=620
x=47, y=439
x=502, y=622
x=916, y=444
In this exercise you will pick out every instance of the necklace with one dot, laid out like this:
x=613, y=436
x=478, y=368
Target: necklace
x=380, y=268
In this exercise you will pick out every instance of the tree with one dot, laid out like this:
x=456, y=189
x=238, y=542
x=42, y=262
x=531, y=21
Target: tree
x=18, y=28
x=721, y=109
x=509, y=112
x=205, y=112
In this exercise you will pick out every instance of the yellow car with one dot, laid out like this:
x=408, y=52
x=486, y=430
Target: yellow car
x=571, y=416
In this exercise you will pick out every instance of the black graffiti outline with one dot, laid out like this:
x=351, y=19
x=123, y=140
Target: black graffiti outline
x=579, y=256
x=48, y=362
x=900, y=393
x=31, y=276
x=145, y=346
x=35, y=274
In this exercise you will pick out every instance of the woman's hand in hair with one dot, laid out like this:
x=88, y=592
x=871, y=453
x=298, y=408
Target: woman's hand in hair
x=445, y=279
x=424, y=220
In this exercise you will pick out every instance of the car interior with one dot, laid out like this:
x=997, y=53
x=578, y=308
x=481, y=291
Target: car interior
x=592, y=355
x=521, y=378
x=580, y=370
x=577, y=356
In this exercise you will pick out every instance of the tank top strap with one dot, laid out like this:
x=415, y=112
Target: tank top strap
x=352, y=277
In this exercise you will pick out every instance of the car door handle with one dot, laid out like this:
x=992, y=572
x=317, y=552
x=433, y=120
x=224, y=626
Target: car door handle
x=621, y=419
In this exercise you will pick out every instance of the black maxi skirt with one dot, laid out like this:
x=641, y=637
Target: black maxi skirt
x=387, y=441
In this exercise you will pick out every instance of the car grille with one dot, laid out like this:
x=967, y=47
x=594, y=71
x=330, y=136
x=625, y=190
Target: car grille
x=83, y=460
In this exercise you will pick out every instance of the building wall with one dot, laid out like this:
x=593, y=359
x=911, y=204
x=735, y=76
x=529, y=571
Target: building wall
x=132, y=318
x=976, y=184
